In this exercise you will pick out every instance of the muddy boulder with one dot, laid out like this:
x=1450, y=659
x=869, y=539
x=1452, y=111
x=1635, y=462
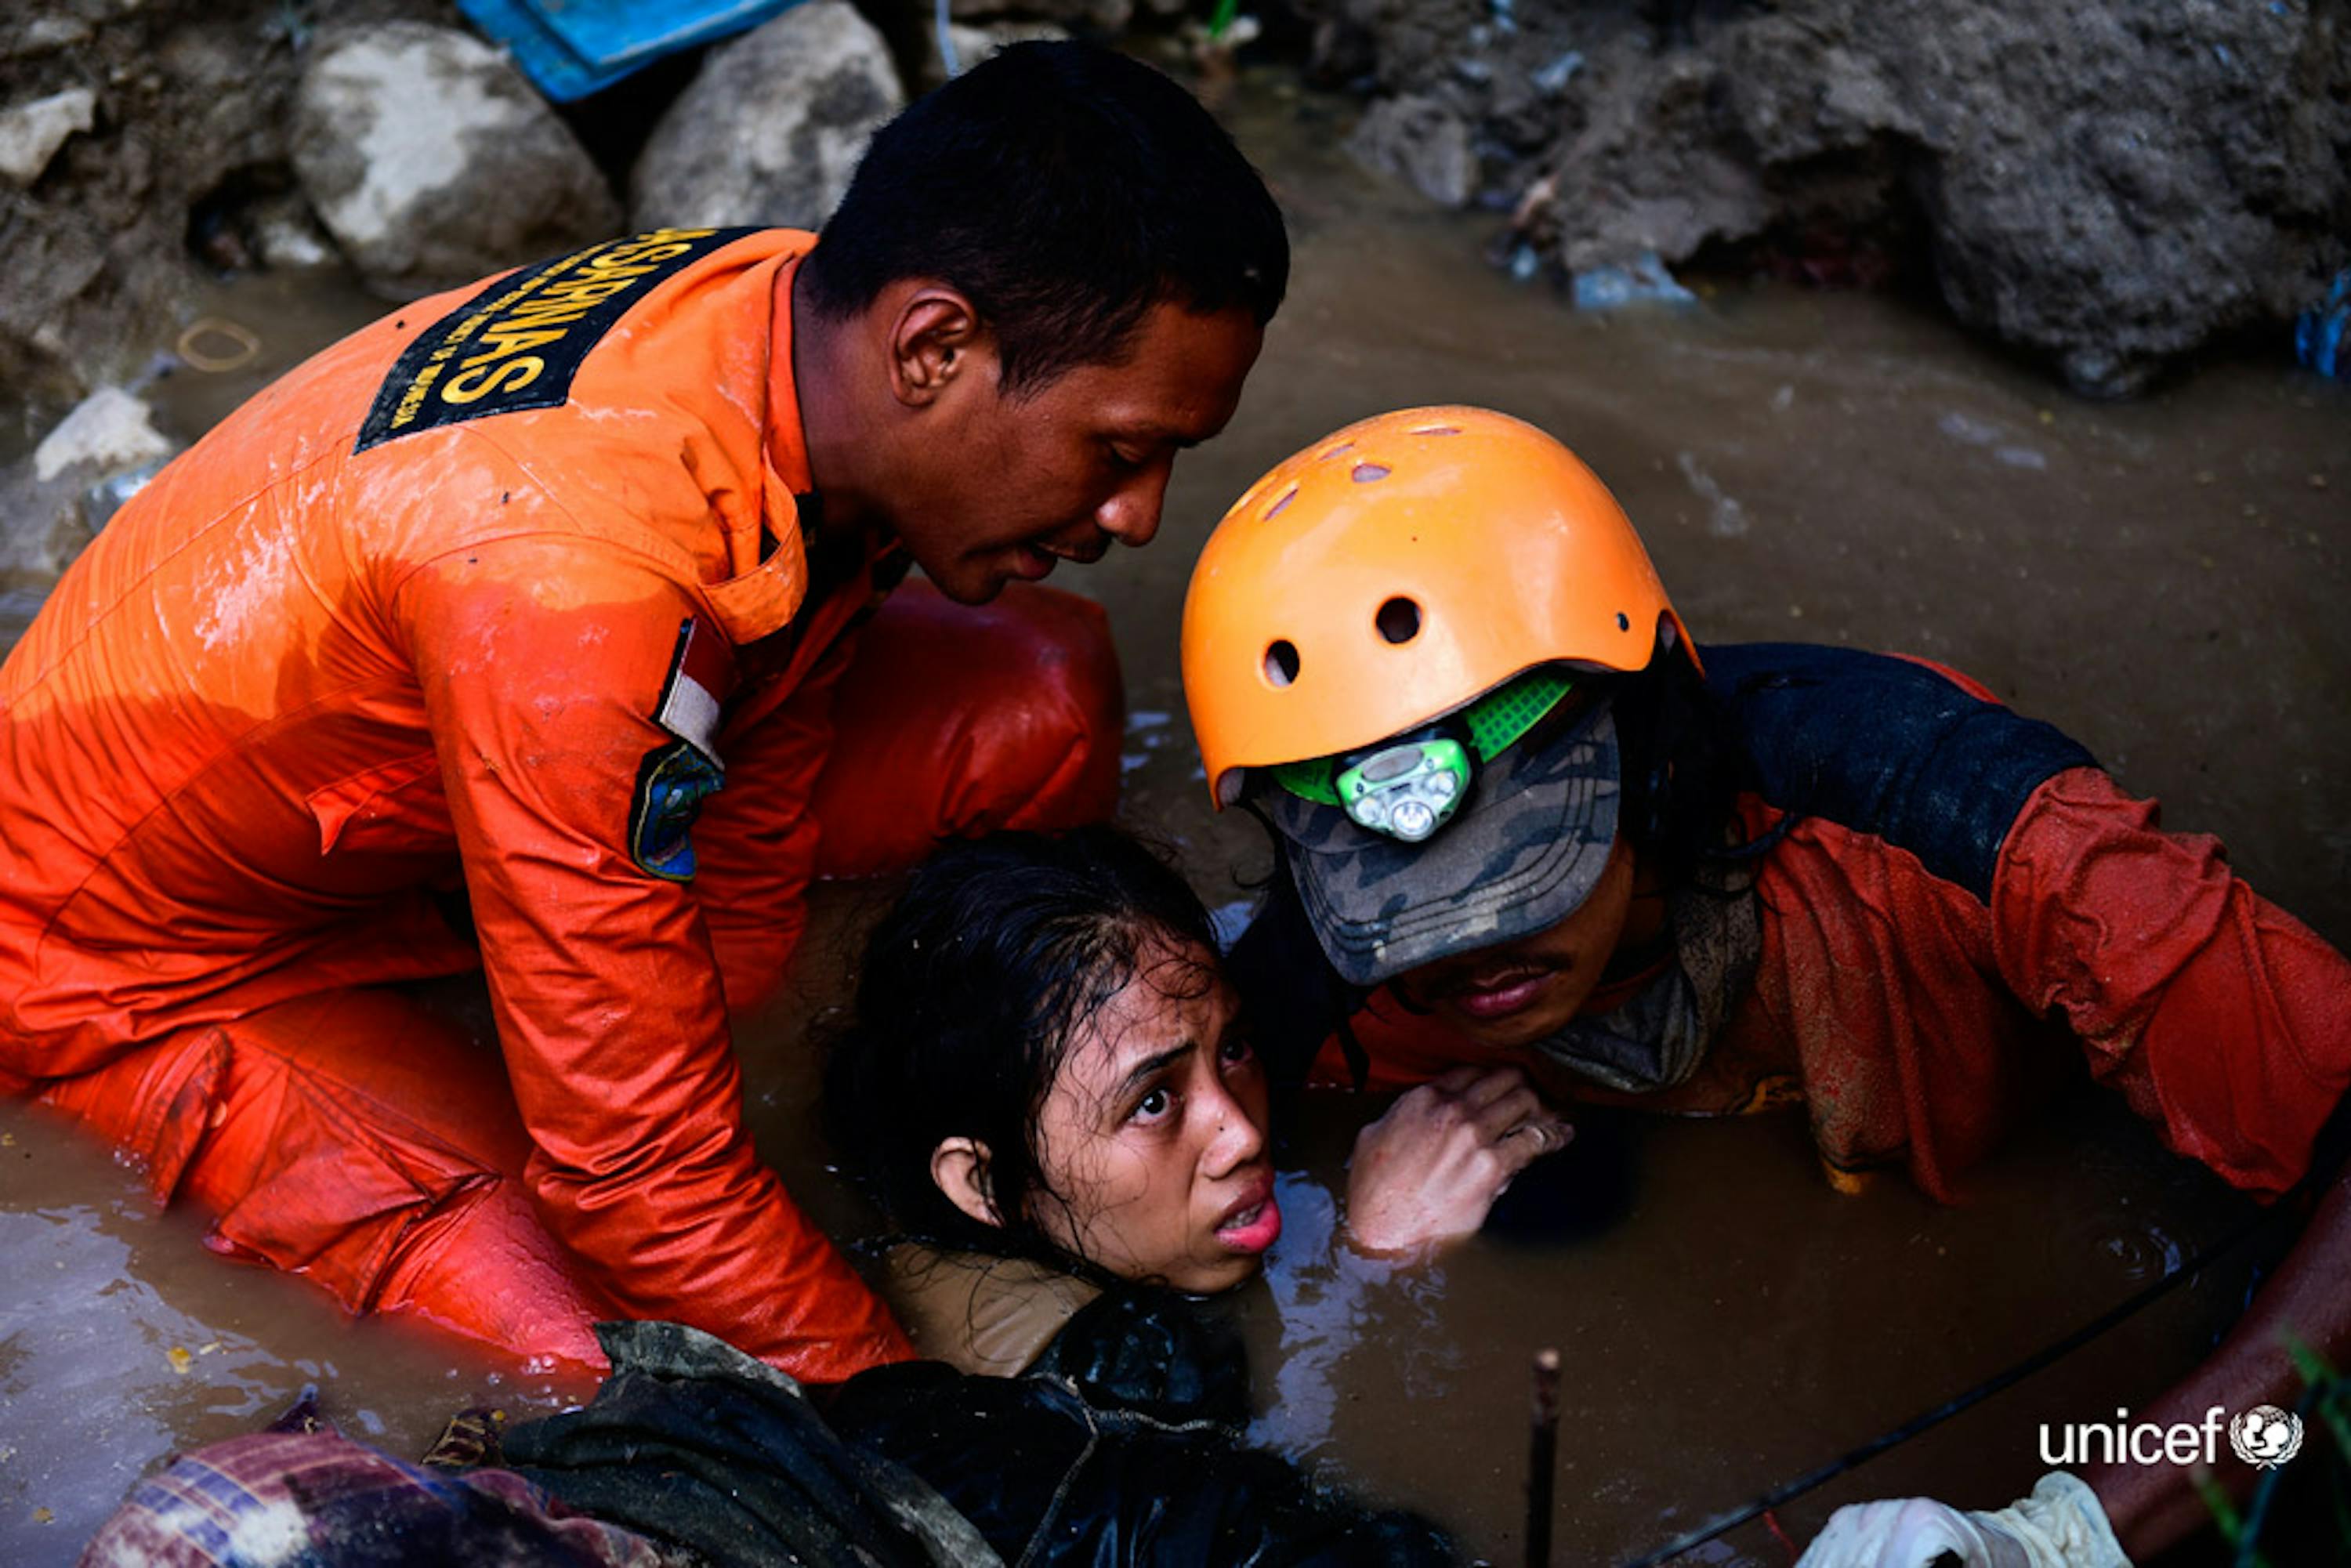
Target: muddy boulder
x=431, y=161
x=1422, y=141
x=772, y=128
x=55, y=501
x=31, y=132
x=2106, y=186
x=2139, y=182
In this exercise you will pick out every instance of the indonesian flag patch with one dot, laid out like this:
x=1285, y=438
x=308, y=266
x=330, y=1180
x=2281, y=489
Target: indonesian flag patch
x=698, y=675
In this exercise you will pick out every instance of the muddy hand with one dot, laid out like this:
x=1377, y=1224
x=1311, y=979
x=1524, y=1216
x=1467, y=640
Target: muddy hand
x=1430, y=1169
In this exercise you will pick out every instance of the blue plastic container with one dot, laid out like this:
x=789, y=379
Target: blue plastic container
x=570, y=49
x=2319, y=332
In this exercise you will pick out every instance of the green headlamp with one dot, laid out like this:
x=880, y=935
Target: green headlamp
x=1408, y=789
x=1410, y=786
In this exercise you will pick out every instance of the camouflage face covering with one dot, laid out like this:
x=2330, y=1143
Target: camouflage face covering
x=1521, y=856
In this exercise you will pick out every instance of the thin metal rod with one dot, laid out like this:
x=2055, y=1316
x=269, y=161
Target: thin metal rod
x=1543, y=1458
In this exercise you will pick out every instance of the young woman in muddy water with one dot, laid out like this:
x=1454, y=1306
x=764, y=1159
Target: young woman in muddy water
x=1050, y=1088
x=1521, y=818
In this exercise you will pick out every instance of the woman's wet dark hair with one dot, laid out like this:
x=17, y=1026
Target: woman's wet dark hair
x=974, y=987
x=1065, y=189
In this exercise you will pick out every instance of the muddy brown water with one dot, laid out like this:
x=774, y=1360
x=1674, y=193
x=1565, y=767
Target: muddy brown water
x=2164, y=578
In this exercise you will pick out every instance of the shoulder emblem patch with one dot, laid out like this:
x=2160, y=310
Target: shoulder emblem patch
x=518, y=342
x=671, y=783
x=675, y=779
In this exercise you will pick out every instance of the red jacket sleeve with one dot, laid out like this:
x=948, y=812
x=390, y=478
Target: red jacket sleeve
x=2221, y=1018
x=755, y=842
x=543, y=661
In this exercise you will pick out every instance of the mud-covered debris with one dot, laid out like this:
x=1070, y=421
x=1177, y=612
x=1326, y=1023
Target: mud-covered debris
x=1644, y=279
x=108, y=431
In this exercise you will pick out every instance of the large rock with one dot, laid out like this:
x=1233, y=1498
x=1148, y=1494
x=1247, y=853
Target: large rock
x=2107, y=185
x=54, y=504
x=772, y=128
x=108, y=432
x=1422, y=141
x=432, y=161
x=31, y=133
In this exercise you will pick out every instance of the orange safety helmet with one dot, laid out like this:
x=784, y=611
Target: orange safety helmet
x=1392, y=572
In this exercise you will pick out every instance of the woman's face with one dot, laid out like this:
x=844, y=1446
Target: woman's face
x=1151, y=1139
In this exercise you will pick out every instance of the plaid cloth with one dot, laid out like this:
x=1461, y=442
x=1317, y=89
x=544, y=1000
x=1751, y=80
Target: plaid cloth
x=317, y=1500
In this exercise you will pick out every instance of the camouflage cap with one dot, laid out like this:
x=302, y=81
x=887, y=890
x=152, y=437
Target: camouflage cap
x=1521, y=856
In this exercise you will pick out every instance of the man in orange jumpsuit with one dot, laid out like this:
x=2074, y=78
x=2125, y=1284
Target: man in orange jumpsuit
x=440, y=651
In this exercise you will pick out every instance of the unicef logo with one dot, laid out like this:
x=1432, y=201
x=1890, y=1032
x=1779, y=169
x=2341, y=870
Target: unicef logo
x=2265, y=1436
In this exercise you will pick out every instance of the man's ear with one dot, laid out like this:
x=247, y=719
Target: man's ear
x=935, y=339
x=959, y=1166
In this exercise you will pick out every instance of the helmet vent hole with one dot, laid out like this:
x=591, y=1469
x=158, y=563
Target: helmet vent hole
x=1437, y=430
x=1328, y=452
x=1623, y=622
x=1280, y=501
x=1366, y=473
x=1281, y=662
x=1399, y=620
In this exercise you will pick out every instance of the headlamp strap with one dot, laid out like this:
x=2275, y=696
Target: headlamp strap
x=1409, y=785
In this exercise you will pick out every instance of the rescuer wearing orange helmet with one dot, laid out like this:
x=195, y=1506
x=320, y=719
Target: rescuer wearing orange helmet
x=1526, y=824
x=438, y=653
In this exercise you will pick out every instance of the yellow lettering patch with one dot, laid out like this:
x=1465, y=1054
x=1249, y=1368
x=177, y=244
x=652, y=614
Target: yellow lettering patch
x=518, y=342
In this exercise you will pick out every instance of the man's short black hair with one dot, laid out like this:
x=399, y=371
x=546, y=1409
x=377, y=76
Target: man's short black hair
x=1066, y=189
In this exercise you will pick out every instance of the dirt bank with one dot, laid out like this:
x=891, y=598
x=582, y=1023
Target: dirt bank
x=2101, y=187
x=185, y=150
x=2107, y=186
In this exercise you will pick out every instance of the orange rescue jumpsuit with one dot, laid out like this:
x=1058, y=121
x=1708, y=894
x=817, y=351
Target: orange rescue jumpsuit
x=481, y=606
